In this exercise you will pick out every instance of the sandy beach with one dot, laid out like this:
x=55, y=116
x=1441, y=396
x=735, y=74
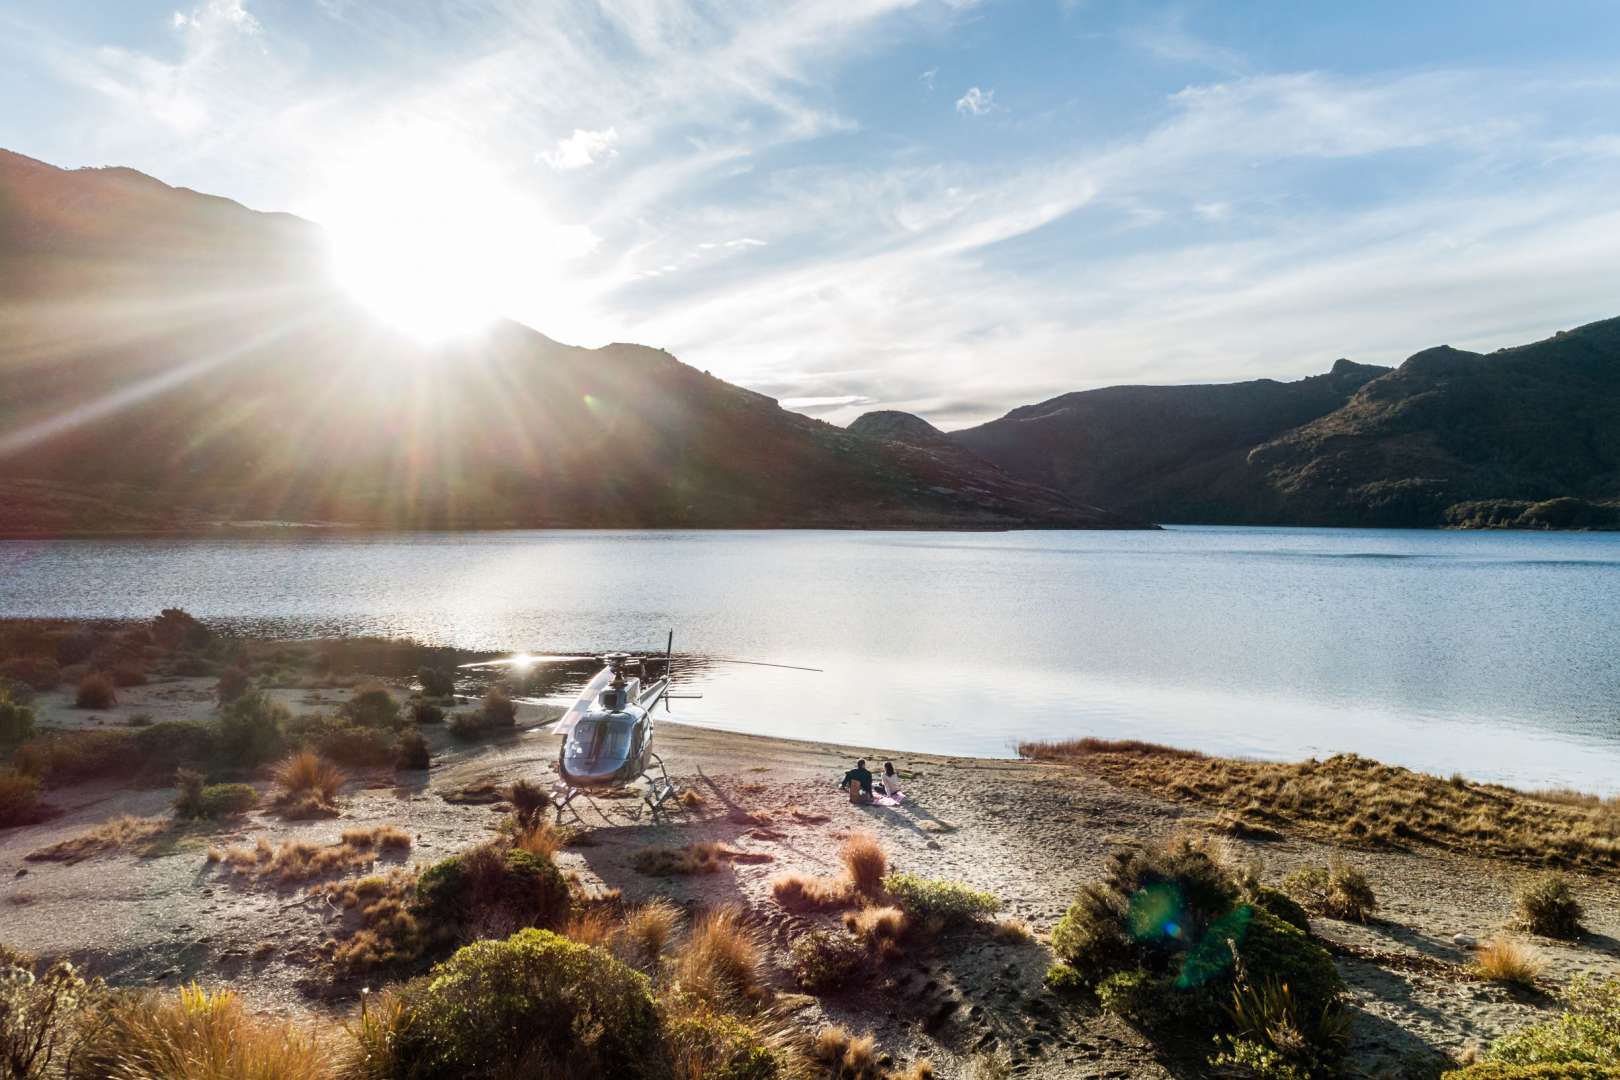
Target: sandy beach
x=1029, y=833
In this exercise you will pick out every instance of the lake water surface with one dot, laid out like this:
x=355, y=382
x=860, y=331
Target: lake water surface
x=1495, y=655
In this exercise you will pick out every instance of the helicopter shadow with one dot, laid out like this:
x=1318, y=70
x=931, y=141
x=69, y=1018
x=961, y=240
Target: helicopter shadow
x=748, y=823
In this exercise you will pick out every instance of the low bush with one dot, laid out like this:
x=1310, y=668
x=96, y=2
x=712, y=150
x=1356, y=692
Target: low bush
x=557, y=1007
x=1586, y=1031
x=233, y=683
x=498, y=711
x=949, y=902
x=16, y=720
x=95, y=692
x=372, y=706
x=1563, y=1070
x=175, y=629
x=75, y=647
x=35, y=672
x=1546, y=905
x=1282, y=906
x=251, y=729
x=426, y=712
x=41, y=1017
x=188, y=800
x=701, y=1043
x=169, y=743
x=865, y=862
x=490, y=889
x=19, y=798
x=74, y=756
x=824, y=960
x=413, y=753
x=227, y=800
x=436, y=682
x=1169, y=940
x=1338, y=891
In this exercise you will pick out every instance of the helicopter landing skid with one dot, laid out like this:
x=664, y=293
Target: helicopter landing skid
x=660, y=788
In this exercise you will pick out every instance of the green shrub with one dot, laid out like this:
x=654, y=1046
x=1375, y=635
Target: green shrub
x=175, y=629
x=188, y=800
x=709, y=1045
x=95, y=692
x=498, y=710
x=16, y=720
x=251, y=729
x=488, y=886
x=825, y=960
x=34, y=672
x=1546, y=905
x=337, y=740
x=1063, y=979
x=233, y=683
x=553, y=1005
x=413, y=752
x=1282, y=906
x=372, y=706
x=1563, y=1070
x=436, y=682
x=1337, y=891
x=951, y=902
x=1588, y=1030
x=69, y=757
x=228, y=800
x=40, y=1017
x=426, y=712
x=19, y=798
x=171, y=742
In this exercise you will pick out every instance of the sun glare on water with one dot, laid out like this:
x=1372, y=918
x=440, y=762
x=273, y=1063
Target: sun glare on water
x=437, y=246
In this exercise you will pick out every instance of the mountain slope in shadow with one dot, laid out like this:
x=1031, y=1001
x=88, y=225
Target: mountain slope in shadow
x=173, y=359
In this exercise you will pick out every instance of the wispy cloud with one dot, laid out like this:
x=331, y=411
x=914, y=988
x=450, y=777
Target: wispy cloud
x=976, y=102
x=583, y=148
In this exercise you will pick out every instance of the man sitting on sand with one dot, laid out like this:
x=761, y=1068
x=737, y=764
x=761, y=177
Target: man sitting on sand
x=858, y=782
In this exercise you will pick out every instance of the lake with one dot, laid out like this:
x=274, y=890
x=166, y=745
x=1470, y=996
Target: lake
x=1496, y=655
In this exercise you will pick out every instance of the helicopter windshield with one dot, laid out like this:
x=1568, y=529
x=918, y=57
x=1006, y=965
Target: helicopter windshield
x=598, y=739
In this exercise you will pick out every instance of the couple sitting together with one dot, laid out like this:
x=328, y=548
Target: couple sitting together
x=858, y=782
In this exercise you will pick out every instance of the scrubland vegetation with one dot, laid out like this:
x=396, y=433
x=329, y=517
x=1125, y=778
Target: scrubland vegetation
x=1352, y=800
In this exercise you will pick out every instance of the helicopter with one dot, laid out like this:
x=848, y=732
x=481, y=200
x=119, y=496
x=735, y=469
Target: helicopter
x=607, y=734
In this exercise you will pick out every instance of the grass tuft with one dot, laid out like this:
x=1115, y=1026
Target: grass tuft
x=721, y=960
x=1506, y=960
x=865, y=863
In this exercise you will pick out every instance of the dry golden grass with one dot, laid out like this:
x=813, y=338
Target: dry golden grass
x=387, y=932
x=1506, y=960
x=804, y=892
x=721, y=959
x=309, y=785
x=865, y=863
x=648, y=930
x=1012, y=932
x=542, y=838
x=847, y=1056
x=593, y=926
x=197, y=1034
x=752, y=787
x=295, y=861
x=873, y=924
x=120, y=834
x=1349, y=799
x=702, y=857
x=691, y=799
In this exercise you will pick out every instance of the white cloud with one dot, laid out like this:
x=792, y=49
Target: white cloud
x=975, y=102
x=929, y=78
x=583, y=148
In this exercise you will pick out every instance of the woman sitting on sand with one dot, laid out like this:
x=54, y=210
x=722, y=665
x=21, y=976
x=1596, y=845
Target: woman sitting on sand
x=891, y=781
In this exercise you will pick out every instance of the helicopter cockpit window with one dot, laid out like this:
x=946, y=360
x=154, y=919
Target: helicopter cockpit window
x=598, y=740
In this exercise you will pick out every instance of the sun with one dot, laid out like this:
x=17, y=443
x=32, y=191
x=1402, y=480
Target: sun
x=436, y=243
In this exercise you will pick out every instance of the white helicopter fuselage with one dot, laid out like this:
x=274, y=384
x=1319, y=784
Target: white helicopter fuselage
x=606, y=742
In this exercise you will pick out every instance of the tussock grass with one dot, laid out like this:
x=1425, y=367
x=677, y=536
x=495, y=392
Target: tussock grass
x=648, y=931
x=1338, y=891
x=296, y=861
x=702, y=857
x=198, y=1034
x=1348, y=799
x=865, y=863
x=595, y=926
x=542, y=838
x=806, y=892
x=1506, y=960
x=95, y=691
x=1012, y=932
x=123, y=833
x=309, y=785
x=878, y=928
x=722, y=959
x=1546, y=905
x=845, y=1055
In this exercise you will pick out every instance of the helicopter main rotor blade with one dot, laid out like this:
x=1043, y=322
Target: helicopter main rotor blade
x=582, y=704
x=529, y=659
x=761, y=663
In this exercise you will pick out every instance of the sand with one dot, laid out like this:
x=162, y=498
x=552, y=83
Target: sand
x=1029, y=833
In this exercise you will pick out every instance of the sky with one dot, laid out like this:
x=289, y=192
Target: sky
x=951, y=207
